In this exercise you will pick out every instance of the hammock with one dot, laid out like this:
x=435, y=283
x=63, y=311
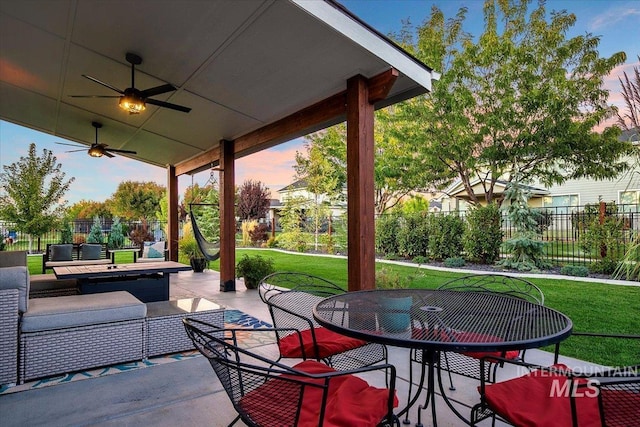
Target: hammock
x=210, y=250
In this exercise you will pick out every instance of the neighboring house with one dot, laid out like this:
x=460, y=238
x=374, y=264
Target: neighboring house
x=299, y=189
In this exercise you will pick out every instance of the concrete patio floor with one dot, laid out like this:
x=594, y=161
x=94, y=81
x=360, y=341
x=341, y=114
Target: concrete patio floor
x=187, y=393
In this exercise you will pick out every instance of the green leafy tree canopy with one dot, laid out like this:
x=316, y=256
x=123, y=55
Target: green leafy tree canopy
x=522, y=96
x=32, y=192
x=137, y=200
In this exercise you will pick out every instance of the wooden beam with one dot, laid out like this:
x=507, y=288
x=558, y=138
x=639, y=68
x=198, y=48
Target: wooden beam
x=380, y=85
x=297, y=124
x=360, y=186
x=208, y=158
x=172, y=213
x=318, y=116
x=227, y=218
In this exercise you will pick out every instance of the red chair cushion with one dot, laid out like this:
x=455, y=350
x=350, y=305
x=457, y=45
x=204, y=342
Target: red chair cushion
x=350, y=402
x=328, y=343
x=541, y=399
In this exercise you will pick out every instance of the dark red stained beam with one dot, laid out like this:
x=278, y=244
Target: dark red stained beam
x=360, y=186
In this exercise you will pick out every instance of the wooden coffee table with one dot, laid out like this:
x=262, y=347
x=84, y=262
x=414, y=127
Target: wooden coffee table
x=146, y=281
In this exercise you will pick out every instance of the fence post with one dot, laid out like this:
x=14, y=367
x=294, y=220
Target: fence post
x=602, y=212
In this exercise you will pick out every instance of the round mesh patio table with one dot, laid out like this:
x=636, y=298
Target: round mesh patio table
x=441, y=320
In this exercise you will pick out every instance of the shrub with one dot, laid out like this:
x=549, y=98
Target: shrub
x=604, y=266
x=95, y=234
x=413, y=235
x=387, y=228
x=454, y=262
x=141, y=234
x=483, y=234
x=294, y=241
x=116, y=236
x=445, y=236
x=420, y=259
x=253, y=269
x=272, y=242
x=575, y=270
x=66, y=232
x=258, y=234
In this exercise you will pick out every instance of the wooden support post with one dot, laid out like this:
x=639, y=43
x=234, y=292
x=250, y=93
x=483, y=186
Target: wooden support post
x=360, y=186
x=172, y=213
x=227, y=218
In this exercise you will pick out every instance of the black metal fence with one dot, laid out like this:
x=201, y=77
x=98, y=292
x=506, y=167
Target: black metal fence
x=15, y=240
x=564, y=229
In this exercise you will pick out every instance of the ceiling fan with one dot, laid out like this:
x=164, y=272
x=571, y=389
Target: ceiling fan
x=97, y=150
x=133, y=100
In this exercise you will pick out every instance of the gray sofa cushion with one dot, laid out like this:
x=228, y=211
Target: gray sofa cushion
x=16, y=278
x=80, y=310
x=90, y=251
x=60, y=252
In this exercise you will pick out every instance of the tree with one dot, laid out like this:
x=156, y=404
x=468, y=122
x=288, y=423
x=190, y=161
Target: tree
x=95, y=234
x=253, y=200
x=32, y=191
x=137, y=200
x=87, y=209
x=320, y=176
x=522, y=97
x=116, y=236
x=525, y=248
x=397, y=168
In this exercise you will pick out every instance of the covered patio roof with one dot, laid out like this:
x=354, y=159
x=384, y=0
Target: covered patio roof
x=255, y=74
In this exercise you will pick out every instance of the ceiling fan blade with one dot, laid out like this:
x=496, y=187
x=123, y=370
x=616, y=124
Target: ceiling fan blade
x=108, y=154
x=94, y=96
x=168, y=105
x=113, y=150
x=70, y=145
x=93, y=79
x=75, y=151
x=157, y=90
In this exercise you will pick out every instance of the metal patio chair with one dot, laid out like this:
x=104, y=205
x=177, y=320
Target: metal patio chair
x=468, y=364
x=580, y=395
x=265, y=392
x=291, y=298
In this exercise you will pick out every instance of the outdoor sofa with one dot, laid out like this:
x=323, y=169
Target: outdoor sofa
x=68, y=254
x=41, y=337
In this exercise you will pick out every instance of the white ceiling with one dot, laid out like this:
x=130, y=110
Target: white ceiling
x=239, y=65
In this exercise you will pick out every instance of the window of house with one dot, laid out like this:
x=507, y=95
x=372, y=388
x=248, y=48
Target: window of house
x=629, y=199
x=561, y=204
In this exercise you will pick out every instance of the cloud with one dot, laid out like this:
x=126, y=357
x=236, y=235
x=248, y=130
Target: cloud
x=611, y=17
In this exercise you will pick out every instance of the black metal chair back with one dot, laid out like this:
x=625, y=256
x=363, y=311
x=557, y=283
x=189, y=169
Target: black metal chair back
x=291, y=297
x=267, y=393
x=497, y=283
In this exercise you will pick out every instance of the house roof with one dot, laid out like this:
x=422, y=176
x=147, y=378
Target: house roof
x=457, y=189
x=296, y=185
x=240, y=66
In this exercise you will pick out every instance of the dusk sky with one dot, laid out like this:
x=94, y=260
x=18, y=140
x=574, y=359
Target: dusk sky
x=616, y=22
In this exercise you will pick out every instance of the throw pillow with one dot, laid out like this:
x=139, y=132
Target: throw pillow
x=90, y=251
x=153, y=250
x=60, y=252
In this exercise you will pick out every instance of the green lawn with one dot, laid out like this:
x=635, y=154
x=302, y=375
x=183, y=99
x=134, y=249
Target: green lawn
x=593, y=306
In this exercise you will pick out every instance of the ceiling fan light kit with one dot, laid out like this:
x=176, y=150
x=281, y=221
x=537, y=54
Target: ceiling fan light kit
x=97, y=149
x=134, y=100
